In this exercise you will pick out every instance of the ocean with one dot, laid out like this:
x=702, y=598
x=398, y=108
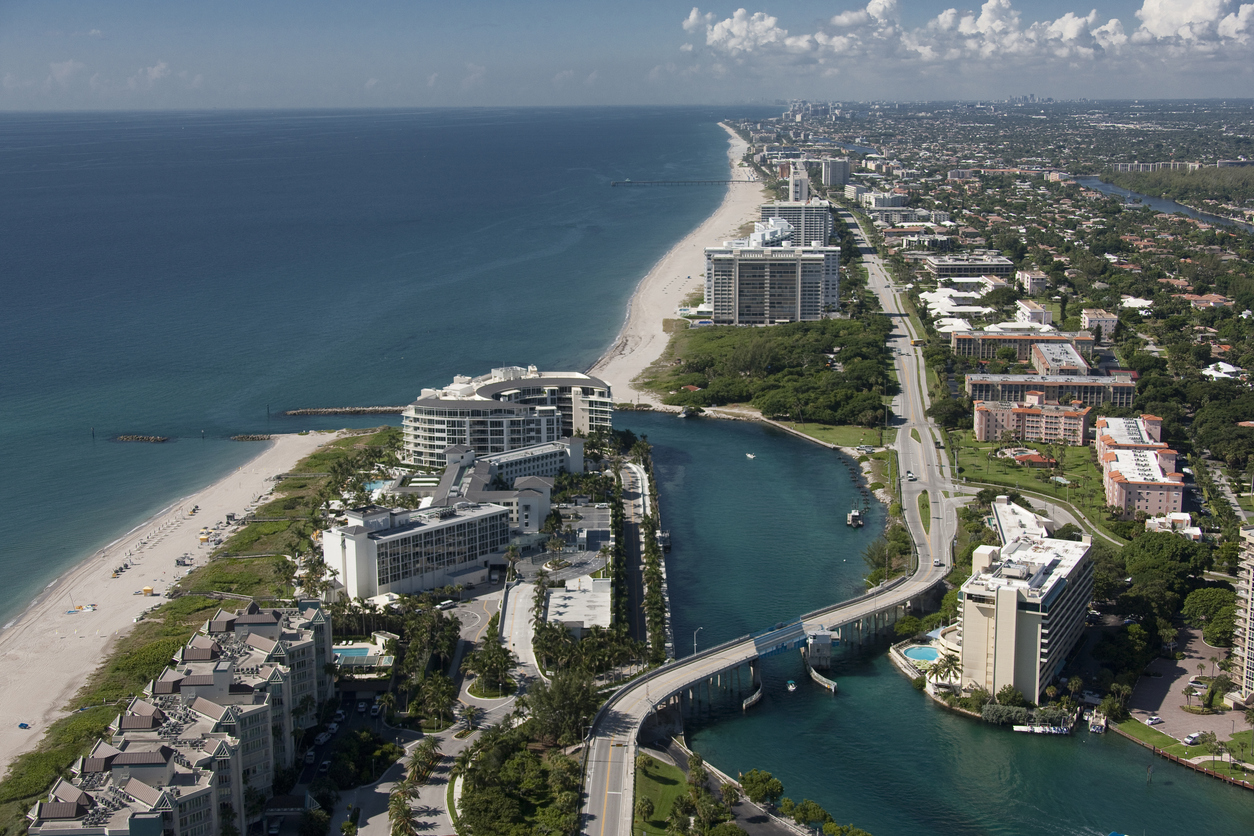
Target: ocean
x=192, y=275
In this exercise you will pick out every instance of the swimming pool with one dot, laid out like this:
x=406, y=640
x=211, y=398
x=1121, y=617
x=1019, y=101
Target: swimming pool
x=353, y=651
x=921, y=654
x=378, y=484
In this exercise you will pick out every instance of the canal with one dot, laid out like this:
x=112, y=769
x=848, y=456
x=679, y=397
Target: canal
x=1159, y=204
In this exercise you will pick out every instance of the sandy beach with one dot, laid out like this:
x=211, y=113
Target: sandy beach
x=677, y=274
x=55, y=647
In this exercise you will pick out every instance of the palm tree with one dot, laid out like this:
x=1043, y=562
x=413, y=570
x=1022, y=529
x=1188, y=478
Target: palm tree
x=1051, y=692
x=1187, y=693
x=946, y=667
x=1214, y=660
x=470, y=715
x=1075, y=685
x=401, y=817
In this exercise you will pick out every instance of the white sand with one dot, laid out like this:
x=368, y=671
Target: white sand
x=677, y=274
x=46, y=654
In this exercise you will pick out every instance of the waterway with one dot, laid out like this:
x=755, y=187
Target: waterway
x=763, y=540
x=1159, y=204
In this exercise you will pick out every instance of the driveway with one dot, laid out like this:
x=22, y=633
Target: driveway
x=1161, y=692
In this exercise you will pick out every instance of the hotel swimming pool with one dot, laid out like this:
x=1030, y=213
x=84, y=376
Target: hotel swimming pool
x=921, y=654
x=378, y=484
x=352, y=651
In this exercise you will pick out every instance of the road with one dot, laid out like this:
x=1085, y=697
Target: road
x=609, y=780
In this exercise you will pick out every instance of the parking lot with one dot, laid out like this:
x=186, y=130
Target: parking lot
x=1161, y=693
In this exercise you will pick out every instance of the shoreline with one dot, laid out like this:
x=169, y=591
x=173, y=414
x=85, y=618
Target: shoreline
x=78, y=641
x=641, y=339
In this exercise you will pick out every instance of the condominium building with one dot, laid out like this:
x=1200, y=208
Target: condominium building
x=1021, y=613
x=1032, y=420
x=983, y=345
x=1058, y=359
x=1138, y=468
x=1031, y=281
x=835, y=172
x=382, y=550
x=944, y=266
x=510, y=408
x=812, y=219
x=799, y=185
x=770, y=285
x=1028, y=311
x=1099, y=322
x=1243, y=634
x=882, y=200
x=1118, y=390
x=214, y=727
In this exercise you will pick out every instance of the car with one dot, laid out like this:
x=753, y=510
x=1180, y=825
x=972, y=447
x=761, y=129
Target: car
x=938, y=562
x=322, y=738
x=275, y=826
x=333, y=727
x=910, y=475
x=1154, y=720
x=324, y=767
x=361, y=707
x=339, y=716
x=1192, y=739
x=375, y=709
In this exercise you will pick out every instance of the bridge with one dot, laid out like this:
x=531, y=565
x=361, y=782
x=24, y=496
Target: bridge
x=609, y=778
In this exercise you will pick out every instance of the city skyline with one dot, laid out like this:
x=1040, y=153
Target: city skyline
x=142, y=55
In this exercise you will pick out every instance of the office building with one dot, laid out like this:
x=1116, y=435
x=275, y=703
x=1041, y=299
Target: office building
x=881, y=200
x=983, y=345
x=1118, y=390
x=1021, y=613
x=853, y=191
x=811, y=220
x=1098, y=322
x=1032, y=420
x=382, y=550
x=946, y=266
x=768, y=286
x=510, y=408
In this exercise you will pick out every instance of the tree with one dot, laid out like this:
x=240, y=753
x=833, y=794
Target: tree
x=314, y=823
x=1187, y=693
x=1011, y=696
x=908, y=626
x=946, y=667
x=402, y=820
x=644, y=809
x=438, y=693
x=730, y=793
x=644, y=762
x=761, y=786
x=562, y=708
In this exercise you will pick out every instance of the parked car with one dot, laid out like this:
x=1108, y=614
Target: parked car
x=375, y=709
x=309, y=756
x=322, y=738
x=361, y=707
x=1192, y=739
x=324, y=767
x=1154, y=720
x=339, y=716
x=275, y=826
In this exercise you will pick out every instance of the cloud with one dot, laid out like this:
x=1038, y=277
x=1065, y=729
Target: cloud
x=61, y=72
x=562, y=77
x=431, y=79
x=591, y=79
x=371, y=83
x=994, y=33
x=95, y=33
x=147, y=77
x=474, y=75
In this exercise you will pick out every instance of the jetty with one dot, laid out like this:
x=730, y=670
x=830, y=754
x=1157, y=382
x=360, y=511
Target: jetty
x=346, y=410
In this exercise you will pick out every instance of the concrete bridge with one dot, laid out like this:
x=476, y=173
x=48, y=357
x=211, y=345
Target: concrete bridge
x=609, y=779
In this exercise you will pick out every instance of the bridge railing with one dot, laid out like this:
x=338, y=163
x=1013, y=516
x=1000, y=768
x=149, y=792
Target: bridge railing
x=866, y=596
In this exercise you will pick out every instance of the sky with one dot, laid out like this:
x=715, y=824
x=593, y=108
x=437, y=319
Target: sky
x=144, y=54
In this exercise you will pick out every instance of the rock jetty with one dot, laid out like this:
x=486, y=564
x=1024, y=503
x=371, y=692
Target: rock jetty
x=250, y=438
x=150, y=439
x=348, y=410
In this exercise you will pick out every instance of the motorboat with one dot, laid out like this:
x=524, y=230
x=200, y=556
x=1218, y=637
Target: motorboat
x=792, y=686
x=854, y=518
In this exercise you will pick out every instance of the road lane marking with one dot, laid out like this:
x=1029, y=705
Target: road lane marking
x=605, y=805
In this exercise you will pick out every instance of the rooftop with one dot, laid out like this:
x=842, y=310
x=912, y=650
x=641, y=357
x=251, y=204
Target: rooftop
x=1035, y=567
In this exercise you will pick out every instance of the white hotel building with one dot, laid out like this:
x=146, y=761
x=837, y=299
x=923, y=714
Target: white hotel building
x=765, y=280
x=1021, y=612
x=510, y=408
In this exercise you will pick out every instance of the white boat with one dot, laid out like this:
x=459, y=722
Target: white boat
x=750, y=456
x=854, y=518
x=792, y=686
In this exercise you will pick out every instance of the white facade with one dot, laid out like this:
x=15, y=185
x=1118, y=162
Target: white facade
x=799, y=185
x=1243, y=635
x=1032, y=282
x=811, y=219
x=1021, y=612
x=382, y=550
x=767, y=286
x=1029, y=311
x=510, y=408
x=1092, y=319
x=835, y=172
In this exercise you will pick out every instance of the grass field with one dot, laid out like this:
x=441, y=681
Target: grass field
x=841, y=436
x=260, y=577
x=661, y=783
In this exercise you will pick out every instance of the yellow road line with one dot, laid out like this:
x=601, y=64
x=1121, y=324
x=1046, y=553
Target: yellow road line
x=605, y=805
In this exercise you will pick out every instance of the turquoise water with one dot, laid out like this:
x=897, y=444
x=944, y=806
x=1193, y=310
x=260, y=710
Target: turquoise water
x=756, y=542
x=376, y=485
x=353, y=651
x=921, y=654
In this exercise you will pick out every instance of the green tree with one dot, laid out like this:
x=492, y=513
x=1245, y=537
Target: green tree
x=761, y=786
x=644, y=809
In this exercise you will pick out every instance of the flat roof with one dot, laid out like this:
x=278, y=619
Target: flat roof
x=1126, y=432
x=439, y=517
x=1014, y=521
x=1052, y=378
x=1140, y=466
x=1033, y=566
x=584, y=600
x=1060, y=354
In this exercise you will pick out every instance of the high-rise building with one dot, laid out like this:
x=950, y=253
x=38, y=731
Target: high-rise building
x=1243, y=634
x=510, y=408
x=811, y=220
x=799, y=185
x=770, y=285
x=835, y=172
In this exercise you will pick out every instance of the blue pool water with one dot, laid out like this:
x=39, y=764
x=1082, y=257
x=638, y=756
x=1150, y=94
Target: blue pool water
x=376, y=485
x=353, y=651
x=921, y=654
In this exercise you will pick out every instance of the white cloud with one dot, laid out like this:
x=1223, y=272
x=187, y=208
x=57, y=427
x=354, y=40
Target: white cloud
x=686, y=48
x=371, y=83
x=562, y=77
x=591, y=79
x=1185, y=19
x=61, y=72
x=147, y=77
x=431, y=79
x=696, y=20
x=95, y=33
x=1239, y=25
x=743, y=32
x=474, y=75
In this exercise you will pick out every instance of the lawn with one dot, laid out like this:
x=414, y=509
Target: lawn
x=260, y=577
x=841, y=436
x=661, y=783
x=925, y=511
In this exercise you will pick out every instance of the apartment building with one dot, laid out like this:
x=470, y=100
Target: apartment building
x=946, y=266
x=1138, y=469
x=983, y=345
x=382, y=550
x=770, y=285
x=1118, y=390
x=1243, y=635
x=835, y=172
x=509, y=408
x=1021, y=613
x=1032, y=420
x=1098, y=322
x=812, y=219
x=1058, y=358
x=1032, y=282
x=1028, y=311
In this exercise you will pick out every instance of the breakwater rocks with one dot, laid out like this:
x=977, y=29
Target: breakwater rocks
x=349, y=410
x=149, y=439
x=250, y=438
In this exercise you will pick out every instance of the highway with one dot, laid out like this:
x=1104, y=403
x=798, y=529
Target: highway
x=609, y=778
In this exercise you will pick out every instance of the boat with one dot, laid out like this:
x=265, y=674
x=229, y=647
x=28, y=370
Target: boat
x=750, y=456
x=1042, y=729
x=854, y=518
x=792, y=686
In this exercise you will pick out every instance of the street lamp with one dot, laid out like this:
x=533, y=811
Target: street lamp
x=699, y=629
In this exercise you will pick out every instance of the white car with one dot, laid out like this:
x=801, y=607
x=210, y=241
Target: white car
x=1153, y=720
x=333, y=727
x=1192, y=739
x=910, y=475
